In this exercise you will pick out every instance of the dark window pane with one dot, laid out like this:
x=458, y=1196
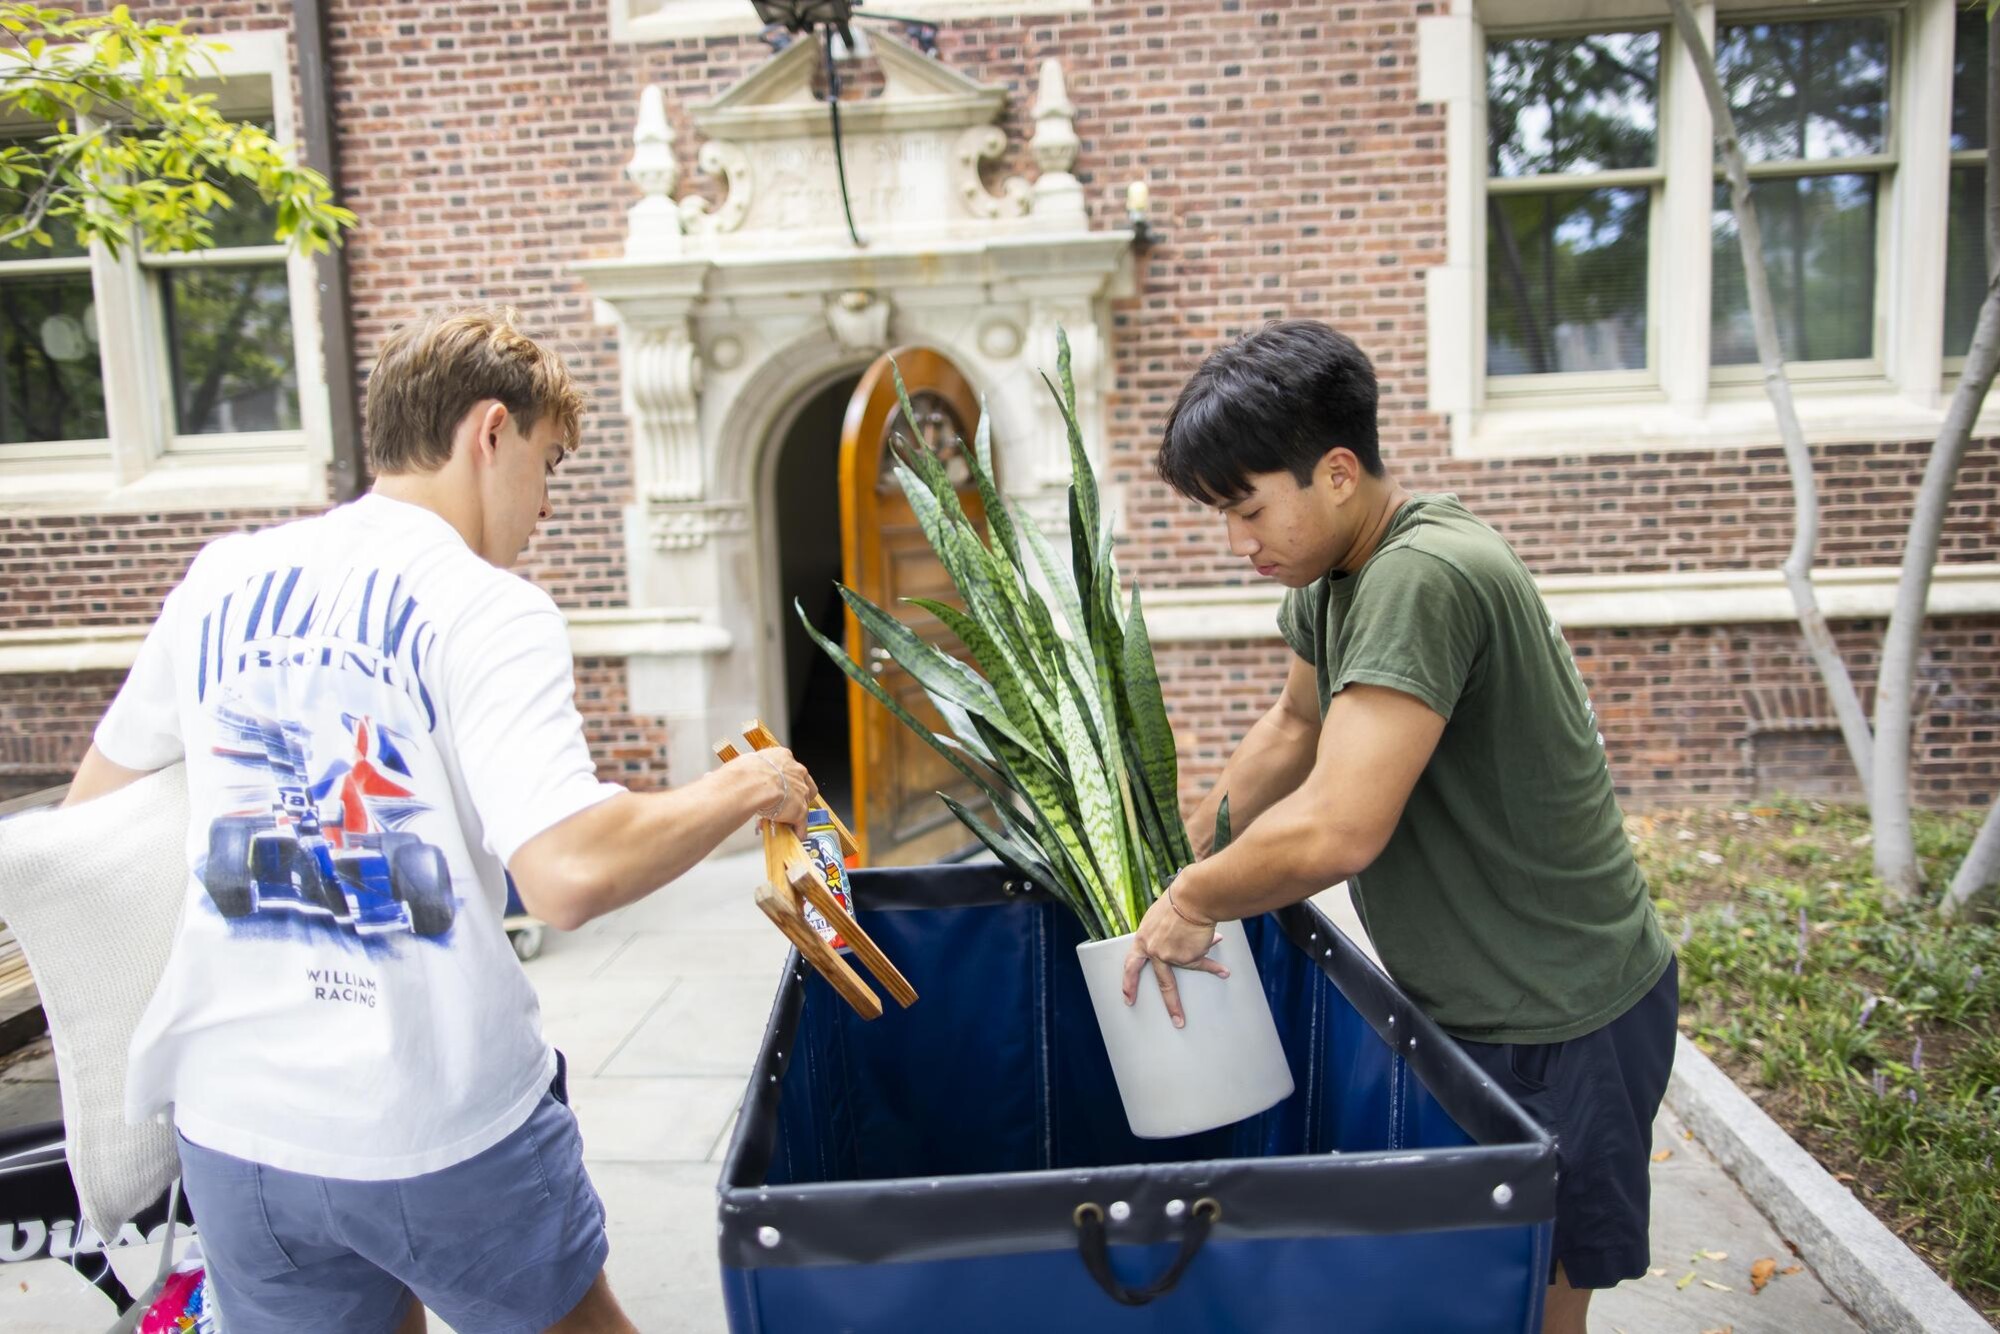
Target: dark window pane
x=51, y=383
x=1565, y=104
x=1566, y=282
x=1819, y=254
x=1964, y=258
x=230, y=330
x=1812, y=89
x=1968, y=82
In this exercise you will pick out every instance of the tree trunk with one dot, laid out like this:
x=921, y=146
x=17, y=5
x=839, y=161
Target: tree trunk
x=1895, y=847
x=1980, y=868
x=1798, y=458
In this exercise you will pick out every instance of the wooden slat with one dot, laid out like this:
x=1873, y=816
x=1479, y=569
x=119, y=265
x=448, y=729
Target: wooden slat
x=784, y=914
x=805, y=878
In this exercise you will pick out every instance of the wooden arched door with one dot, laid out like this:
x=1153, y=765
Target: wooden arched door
x=885, y=557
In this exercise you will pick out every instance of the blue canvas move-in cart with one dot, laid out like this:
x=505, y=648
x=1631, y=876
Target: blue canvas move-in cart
x=965, y=1165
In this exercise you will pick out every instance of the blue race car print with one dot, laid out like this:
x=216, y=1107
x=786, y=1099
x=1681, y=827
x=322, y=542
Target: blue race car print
x=289, y=859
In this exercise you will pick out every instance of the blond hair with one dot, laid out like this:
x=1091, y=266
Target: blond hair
x=432, y=371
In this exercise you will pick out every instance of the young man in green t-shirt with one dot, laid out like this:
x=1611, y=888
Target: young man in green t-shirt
x=1435, y=748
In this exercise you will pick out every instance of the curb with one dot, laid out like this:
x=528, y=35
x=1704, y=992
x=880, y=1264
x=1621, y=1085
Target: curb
x=1861, y=1262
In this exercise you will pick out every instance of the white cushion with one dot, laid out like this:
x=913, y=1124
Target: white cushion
x=94, y=895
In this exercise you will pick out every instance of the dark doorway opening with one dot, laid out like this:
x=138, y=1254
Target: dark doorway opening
x=806, y=491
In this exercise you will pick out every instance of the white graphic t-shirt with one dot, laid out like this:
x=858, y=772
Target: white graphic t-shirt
x=374, y=720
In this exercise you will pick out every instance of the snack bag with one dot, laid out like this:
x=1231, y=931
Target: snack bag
x=186, y=1305
x=823, y=842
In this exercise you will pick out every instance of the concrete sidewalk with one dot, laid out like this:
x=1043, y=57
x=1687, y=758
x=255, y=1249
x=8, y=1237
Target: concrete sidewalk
x=660, y=1008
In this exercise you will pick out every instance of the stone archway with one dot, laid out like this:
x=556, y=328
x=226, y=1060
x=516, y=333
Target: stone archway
x=728, y=315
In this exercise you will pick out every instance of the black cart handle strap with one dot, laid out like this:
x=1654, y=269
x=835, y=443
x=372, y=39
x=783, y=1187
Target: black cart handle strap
x=1095, y=1248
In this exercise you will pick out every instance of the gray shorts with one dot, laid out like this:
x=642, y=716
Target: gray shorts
x=508, y=1240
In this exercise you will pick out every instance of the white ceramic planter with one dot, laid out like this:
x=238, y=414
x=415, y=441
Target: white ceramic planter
x=1225, y=1065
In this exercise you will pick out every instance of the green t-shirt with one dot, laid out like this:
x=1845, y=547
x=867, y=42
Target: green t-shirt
x=1507, y=902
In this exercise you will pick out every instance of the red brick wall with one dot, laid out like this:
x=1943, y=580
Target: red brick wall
x=1671, y=702
x=1293, y=171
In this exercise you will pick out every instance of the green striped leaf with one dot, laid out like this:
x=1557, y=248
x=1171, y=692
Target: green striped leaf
x=1028, y=718
x=1057, y=807
x=1023, y=857
x=1152, y=733
x=998, y=521
x=1061, y=581
x=1103, y=816
x=938, y=672
x=860, y=677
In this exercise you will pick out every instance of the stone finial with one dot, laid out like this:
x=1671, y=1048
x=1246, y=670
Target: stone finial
x=1058, y=195
x=654, y=226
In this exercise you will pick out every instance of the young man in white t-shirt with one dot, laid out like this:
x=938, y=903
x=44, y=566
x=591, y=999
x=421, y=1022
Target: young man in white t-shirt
x=379, y=726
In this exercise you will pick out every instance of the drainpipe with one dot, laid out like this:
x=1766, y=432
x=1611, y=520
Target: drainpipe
x=336, y=317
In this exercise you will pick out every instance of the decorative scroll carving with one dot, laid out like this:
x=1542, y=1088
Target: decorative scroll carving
x=719, y=157
x=979, y=144
x=664, y=378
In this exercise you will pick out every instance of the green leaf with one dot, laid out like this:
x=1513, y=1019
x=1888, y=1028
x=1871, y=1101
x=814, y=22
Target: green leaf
x=1151, y=731
x=980, y=463
x=1221, y=826
x=935, y=670
x=860, y=677
x=1103, y=814
x=1023, y=857
x=1062, y=581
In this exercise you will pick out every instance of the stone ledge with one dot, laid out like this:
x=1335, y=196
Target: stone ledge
x=1860, y=1261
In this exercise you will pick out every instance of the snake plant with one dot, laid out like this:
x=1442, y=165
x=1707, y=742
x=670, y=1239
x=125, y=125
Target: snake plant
x=1058, y=720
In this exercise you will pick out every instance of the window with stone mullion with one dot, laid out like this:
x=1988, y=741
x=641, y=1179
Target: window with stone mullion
x=51, y=378
x=1811, y=101
x=1573, y=170
x=226, y=321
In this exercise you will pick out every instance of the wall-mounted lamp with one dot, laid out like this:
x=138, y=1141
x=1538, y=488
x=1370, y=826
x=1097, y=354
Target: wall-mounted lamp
x=1138, y=200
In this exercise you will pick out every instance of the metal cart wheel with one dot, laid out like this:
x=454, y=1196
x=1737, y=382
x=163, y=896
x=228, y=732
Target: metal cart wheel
x=527, y=942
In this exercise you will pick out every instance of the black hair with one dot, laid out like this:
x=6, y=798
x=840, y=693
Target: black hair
x=1278, y=398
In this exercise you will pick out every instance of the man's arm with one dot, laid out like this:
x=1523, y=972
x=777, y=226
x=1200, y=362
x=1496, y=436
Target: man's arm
x=625, y=847
x=1375, y=745
x=97, y=776
x=1274, y=757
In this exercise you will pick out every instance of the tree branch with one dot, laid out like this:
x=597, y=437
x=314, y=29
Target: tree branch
x=1798, y=458
x=50, y=190
x=1895, y=843
x=1980, y=868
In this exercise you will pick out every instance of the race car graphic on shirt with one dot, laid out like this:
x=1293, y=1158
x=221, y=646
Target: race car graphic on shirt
x=331, y=847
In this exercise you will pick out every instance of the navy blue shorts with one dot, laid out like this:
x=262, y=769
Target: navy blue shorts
x=508, y=1240
x=1598, y=1095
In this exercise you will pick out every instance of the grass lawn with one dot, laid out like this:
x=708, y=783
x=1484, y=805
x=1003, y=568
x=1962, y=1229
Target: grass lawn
x=1871, y=1033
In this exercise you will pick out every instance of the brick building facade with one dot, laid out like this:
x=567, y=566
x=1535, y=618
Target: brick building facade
x=1302, y=160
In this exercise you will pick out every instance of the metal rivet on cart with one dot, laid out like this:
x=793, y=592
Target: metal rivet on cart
x=1120, y=1211
x=1392, y=1021
x=1006, y=886
x=1175, y=1208
x=1503, y=1195
x=1413, y=1044
x=768, y=1238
